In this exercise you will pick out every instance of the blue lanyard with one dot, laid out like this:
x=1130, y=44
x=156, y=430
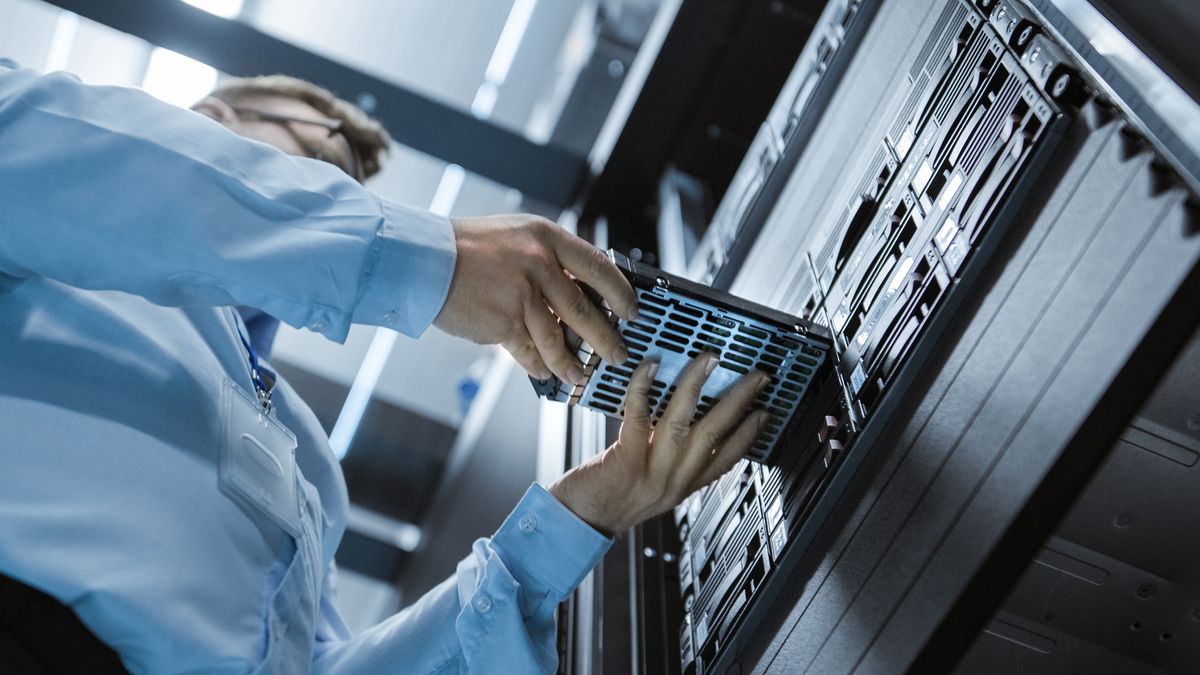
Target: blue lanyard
x=260, y=385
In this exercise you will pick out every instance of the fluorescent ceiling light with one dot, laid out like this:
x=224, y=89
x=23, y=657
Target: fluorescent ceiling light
x=447, y=190
x=485, y=100
x=359, y=397
x=177, y=79
x=228, y=9
x=61, y=42
x=510, y=39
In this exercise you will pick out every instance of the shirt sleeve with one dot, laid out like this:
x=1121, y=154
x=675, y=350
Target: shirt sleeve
x=107, y=188
x=495, y=615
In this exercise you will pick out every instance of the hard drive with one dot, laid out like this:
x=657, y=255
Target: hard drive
x=677, y=320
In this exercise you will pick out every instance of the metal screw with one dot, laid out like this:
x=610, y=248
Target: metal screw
x=668, y=558
x=1060, y=85
x=616, y=68
x=662, y=282
x=1025, y=36
x=1146, y=590
x=649, y=552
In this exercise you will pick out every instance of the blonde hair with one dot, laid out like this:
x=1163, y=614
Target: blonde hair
x=366, y=135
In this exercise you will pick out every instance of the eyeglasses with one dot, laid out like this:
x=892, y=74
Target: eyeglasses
x=335, y=127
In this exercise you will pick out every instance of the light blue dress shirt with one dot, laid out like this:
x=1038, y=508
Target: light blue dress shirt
x=128, y=231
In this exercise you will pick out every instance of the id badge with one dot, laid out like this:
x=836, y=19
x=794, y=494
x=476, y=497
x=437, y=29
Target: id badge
x=258, y=459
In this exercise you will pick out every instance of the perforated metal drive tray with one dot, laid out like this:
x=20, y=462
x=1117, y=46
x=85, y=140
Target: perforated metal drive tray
x=678, y=319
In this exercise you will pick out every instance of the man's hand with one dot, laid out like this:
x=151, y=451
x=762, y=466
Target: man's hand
x=511, y=285
x=650, y=469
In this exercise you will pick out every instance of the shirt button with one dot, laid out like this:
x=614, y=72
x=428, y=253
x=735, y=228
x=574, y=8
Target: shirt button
x=483, y=604
x=390, y=318
x=318, y=325
x=527, y=523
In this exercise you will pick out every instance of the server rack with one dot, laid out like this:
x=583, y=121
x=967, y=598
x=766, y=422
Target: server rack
x=1000, y=237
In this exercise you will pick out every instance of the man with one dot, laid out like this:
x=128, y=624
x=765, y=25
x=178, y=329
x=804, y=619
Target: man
x=159, y=480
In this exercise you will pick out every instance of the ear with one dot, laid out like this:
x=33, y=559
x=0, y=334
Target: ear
x=216, y=109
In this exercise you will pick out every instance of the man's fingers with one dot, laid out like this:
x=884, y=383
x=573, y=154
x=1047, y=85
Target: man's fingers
x=591, y=266
x=580, y=313
x=734, y=448
x=712, y=429
x=637, y=403
x=682, y=408
x=525, y=352
x=548, y=336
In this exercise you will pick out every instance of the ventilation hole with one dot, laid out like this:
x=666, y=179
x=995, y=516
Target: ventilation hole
x=717, y=329
x=678, y=328
x=773, y=360
x=785, y=342
x=609, y=388
x=787, y=395
x=740, y=359
x=645, y=328
x=667, y=345
x=674, y=337
x=813, y=351
x=651, y=298
x=778, y=351
x=635, y=335
x=735, y=368
x=709, y=340
x=604, y=408
x=642, y=309
x=798, y=373
x=756, y=332
x=689, y=310
x=619, y=381
x=743, y=350
x=790, y=386
x=606, y=397
x=776, y=410
x=623, y=372
x=684, y=319
x=806, y=361
x=743, y=338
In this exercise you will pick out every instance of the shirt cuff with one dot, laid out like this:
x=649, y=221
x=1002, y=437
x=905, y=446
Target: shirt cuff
x=543, y=540
x=414, y=254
